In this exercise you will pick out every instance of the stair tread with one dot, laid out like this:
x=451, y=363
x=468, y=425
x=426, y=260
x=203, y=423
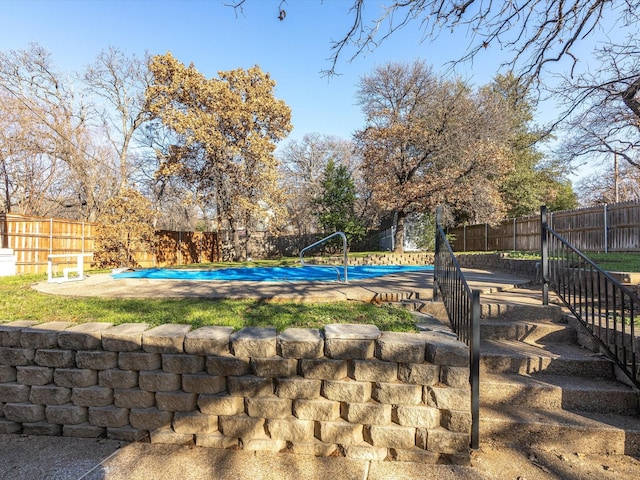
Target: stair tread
x=516, y=311
x=515, y=296
x=544, y=380
x=545, y=322
x=578, y=419
x=554, y=351
x=515, y=300
x=562, y=430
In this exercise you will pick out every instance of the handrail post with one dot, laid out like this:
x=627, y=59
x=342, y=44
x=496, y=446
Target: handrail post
x=544, y=253
x=436, y=253
x=475, y=369
x=346, y=257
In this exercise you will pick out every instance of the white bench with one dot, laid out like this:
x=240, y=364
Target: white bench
x=78, y=270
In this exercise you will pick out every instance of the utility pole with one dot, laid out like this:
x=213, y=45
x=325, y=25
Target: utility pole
x=616, y=177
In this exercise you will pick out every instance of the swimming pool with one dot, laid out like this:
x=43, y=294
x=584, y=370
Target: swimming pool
x=273, y=274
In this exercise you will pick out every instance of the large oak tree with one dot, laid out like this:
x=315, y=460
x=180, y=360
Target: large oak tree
x=431, y=141
x=226, y=129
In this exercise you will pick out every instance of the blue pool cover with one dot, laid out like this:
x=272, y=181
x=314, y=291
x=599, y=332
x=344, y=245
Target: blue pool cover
x=274, y=274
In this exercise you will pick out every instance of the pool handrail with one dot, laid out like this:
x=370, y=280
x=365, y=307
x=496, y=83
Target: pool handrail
x=320, y=242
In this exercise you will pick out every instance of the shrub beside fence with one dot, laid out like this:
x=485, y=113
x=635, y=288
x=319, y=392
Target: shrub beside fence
x=603, y=228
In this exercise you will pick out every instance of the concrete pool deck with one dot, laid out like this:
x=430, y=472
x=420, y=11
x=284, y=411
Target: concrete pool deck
x=388, y=288
x=67, y=458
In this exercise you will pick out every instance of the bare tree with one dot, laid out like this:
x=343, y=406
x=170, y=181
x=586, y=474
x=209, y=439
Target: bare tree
x=60, y=144
x=536, y=32
x=610, y=186
x=179, y=203
x=302, y=165
x=120, y=81
x=15, y=129
x=605, y=109
x=31, y=172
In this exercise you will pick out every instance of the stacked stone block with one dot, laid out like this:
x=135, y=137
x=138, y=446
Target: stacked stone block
x=412, y=258
x=348, y=390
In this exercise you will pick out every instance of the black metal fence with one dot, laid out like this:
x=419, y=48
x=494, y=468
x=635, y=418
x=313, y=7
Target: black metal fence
x=605, y=307
x=463, y=309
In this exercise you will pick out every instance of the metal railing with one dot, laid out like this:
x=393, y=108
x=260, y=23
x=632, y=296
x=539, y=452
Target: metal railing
x=606, y=308
x=463, y=309
x=344, y=249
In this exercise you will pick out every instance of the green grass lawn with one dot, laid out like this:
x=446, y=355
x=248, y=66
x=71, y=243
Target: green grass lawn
x=617, y=262
x=18, y=301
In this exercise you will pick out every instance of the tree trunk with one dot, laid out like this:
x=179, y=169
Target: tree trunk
x=247, y=239
x=398, y=237
x=6, y=188
x=235, y=238
x=247, y=246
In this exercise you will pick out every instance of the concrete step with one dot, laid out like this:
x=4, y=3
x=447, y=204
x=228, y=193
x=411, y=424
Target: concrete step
x=561, y=430
x=556, y=392
x=538, y=331
x=514, y=357
x=489, y=309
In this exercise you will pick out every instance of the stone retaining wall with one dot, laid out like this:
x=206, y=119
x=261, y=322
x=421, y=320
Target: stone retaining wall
x=348, y=390
x=411, y=258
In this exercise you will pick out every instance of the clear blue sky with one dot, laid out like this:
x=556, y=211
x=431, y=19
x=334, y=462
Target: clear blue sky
x=215, y=37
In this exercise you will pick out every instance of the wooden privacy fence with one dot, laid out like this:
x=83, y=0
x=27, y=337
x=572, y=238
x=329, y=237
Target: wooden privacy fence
x=603, y=228
x=184, y=248
x=33, y=239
